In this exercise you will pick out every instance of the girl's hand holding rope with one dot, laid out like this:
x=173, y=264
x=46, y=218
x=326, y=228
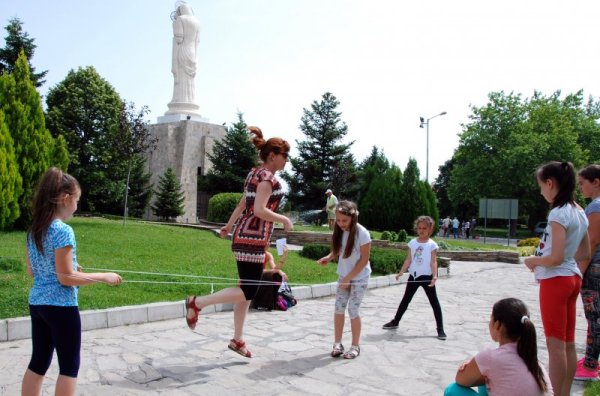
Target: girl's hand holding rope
x=112, y=279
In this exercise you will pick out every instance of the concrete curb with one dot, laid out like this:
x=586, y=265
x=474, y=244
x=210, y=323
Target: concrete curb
x=20, y=328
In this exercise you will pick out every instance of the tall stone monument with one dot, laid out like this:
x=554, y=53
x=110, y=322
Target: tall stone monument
x=184, y=136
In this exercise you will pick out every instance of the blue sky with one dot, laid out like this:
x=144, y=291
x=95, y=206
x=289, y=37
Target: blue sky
x=387, y=62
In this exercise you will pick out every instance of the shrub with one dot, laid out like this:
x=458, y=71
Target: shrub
x=534, y=241
x=525, y=251
x=393, y=236
x=402, y=236
x=314, y=251
x=220, y=206
x=443, y=245
x=386, y=261
x=385, y=236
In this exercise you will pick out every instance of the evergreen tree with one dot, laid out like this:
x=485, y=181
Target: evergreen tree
x=140, y=188
x=380, y=209
x=87, y=111
x=169, y=197
x=411, y=199
x=323, y=162
x=17, y=41
x=32, y=141
x=232, y=158
x=440, y=187
x=132, y=139
x=375, y=164
x=10, y=179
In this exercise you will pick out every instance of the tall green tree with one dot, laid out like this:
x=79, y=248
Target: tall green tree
x=231, y=158
x=33, y=143
x=323, y=160
x=440, y=187
x=16, y=41
x=509, y=137
x=131, y=140
x=140, y=188
x=169, y=197
x=10, y=179
x=87, y=111
x=374, y=165
x=380, y=209
x=411, y=204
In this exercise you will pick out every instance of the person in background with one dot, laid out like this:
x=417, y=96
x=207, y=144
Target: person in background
x=330, y=204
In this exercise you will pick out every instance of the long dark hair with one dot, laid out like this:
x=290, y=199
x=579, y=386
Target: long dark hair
x=564, y=175
x=50, y=189
x=347, y=208
x=513, y=314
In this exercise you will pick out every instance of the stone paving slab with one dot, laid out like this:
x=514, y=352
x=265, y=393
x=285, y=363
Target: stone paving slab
x=292, y=348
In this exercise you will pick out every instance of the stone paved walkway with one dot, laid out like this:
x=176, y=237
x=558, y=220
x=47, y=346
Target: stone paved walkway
x=292, y=348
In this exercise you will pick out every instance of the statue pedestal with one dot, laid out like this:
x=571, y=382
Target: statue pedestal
x=182, y=111
x=180, y=117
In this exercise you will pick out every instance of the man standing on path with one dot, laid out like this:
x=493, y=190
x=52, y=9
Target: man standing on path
x=455, y=224
x=330, y=207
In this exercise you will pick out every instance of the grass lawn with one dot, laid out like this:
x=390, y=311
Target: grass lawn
x=139, y=246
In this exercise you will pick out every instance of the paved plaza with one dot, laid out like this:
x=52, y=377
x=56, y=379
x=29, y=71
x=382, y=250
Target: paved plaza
x=291, y=349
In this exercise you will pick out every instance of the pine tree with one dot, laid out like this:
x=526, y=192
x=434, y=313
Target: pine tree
x=32, y=141
x=17, y=41
x=10, y=179
x=232, y=158
x=411, y=200
x=380, y=209
x=375, y=164
x=323, y=162
x=169, y=197
x=140, y=188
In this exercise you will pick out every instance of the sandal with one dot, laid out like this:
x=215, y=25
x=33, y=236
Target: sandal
x=353, y=352
x=338, y=350
x=239, y=346
x=190, y=303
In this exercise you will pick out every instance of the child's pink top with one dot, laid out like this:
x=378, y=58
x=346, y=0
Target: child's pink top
x=507, y=374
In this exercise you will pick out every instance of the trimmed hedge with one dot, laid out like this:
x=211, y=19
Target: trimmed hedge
x=314, y=251
x=220, y=206
x=534, y=241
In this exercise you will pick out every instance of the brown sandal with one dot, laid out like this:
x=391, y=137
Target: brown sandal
x=238, y=346
x=190, y=303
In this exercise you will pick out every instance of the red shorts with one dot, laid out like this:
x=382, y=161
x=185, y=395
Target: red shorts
x=558, y=302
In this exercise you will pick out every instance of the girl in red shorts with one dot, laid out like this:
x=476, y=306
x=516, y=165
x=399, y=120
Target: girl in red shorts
x=563, y=243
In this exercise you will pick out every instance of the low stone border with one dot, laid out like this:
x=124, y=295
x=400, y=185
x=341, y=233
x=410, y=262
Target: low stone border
x=20, y=328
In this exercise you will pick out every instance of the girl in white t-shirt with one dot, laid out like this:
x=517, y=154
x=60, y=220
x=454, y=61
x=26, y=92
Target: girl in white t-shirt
x=512, y=368
x=564, y=243
x=421, y=263
x=351, y=246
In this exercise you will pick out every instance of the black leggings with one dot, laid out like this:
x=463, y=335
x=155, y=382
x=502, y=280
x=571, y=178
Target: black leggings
x=55, y=327
x=411, y=288
x=250, y=276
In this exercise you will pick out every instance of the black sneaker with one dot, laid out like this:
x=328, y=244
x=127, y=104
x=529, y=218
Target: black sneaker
x=390, y=325
x=441, y=335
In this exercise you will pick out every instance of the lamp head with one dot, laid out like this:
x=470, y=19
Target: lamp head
x=422, y=122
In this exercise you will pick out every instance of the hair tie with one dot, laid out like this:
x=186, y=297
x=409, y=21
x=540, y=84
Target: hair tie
x=523, y=319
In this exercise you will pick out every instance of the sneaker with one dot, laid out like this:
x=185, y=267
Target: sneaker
x=580, y=363
x=392, y=324
x=583, y=374
x=441, y=335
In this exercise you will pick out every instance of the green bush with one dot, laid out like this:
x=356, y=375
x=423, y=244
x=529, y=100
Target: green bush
x=385, y=236
x=386, y=261
x=525, y=251
x=443, y=245
x=220, y=206
x=9, y=264
x=534, y=241
x=402, y=236
x=314, y=251
x=393, y=236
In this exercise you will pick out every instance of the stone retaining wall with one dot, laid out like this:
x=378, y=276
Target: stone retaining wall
x=324, y=238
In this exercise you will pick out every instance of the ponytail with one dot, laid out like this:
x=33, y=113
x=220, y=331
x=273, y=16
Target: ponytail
x=527, y=350
x=265, y=147
x=563, y=174
x=513, y=314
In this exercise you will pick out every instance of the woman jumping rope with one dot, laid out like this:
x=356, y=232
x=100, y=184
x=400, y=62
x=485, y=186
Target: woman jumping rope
x=254, y=217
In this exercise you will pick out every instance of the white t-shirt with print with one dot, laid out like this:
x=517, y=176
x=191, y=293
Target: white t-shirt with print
x=573, y=219
x=420, y=260
x=346, y=265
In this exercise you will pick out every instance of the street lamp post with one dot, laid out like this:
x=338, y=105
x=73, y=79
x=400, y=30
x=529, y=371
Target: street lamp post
x=426, y=123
